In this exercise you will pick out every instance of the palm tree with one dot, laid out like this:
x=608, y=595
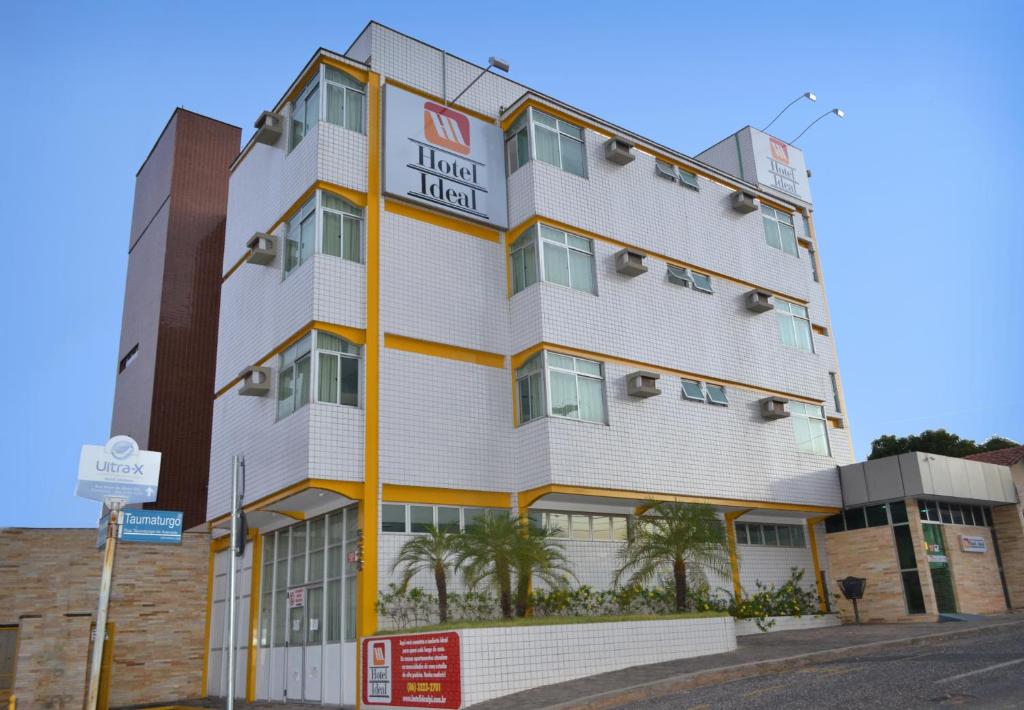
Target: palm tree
x=434, y=551
x=687, y=537
x=539, y=555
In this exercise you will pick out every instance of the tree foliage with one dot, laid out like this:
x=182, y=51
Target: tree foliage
x=434, y=552
x=934, y=441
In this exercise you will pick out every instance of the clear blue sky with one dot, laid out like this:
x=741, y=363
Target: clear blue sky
x=917, y=210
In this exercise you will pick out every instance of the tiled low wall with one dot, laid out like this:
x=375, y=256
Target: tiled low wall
x=746, y=627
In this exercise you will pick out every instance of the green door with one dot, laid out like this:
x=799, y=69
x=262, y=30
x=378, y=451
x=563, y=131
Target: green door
x=938, y=563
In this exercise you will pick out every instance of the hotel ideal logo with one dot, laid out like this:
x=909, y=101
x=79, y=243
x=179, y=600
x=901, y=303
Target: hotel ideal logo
x=446, y=176
x=783, y=176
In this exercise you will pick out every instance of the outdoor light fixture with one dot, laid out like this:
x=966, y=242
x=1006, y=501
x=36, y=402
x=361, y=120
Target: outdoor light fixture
x=492, y=63
x=806, y=95
x=837, y=111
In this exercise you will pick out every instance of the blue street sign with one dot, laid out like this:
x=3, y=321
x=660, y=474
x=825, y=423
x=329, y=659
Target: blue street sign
x=160, y=526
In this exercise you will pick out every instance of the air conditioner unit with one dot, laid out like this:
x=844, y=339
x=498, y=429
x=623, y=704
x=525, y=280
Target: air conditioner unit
x=262, y=249
x=269, y=127
x=630, y=262
x=774, y=408
x=642, y=384
x=619, y=150
x=255, y=381
x=744, y=202
x=759, y=301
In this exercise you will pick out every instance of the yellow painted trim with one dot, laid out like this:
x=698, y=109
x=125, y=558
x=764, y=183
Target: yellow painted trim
x=519, y=358
x=734, y=560
x=404, y=209
x=360, y=75
x=222, y=543
x=356, y=336
x=293, y=514
x=255, y=600
x=235, y=267
x=352, y=490
x=819, y=329
x=206, y=632
x=449, y=352
x=518, y=230
x=446, y=496
x=532, y=495
x=835, y=422
x=813, y=542
x=438, y=99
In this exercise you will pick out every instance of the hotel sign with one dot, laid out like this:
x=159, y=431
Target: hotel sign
x=973, y=543
x=413, y=671
x=780, y=166
x=443, y=158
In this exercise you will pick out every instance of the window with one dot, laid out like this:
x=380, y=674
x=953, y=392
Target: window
x=809, y=428
x=392, y=518
x=794, y=325
x=338, y=376
x=553, y=141
x=575, y=387
x=770, y=535
x=299, y=237
x=834, y=379
x=954, y=513
x=676, y=174
x=702, y=282
x=693, y=390
x=420, y=518
x=127, y=359
x=778, y=229
x=679, y=275
x=402, y=517
x=305, y=112
x=583, y=526
x=293, y=378
x=716, y=394
x=558, y=257
x=345, y=98
x=342, y=228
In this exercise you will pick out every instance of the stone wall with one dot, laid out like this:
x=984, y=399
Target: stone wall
x=975, y=574
x=1009, y=526
x=157, y=608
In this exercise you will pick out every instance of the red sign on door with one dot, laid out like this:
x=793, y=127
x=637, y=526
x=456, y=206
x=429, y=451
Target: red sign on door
x=418, y=670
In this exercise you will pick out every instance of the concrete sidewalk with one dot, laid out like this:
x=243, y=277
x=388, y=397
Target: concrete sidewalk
x=755, y=655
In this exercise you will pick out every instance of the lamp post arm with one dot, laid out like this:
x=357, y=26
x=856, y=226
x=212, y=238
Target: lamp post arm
x=467, y=87
x=782, y=112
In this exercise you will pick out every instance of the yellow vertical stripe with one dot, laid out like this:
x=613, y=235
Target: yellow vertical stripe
x=254, y=614
x=206, y=635
x=734, y=561
x=812, y=539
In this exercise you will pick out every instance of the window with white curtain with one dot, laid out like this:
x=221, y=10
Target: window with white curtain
x=536, y=135
x=338, y=370
x=299, y=238
x=778, y=229
x=809, y=428
x=343, y=103
x=794, y=325
x=552, y=384
x=305, y=112
x=548, y=254
x=342, y=227
x=293, y=377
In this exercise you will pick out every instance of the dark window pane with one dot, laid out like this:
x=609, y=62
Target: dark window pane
x=855, y=519
x=876, y=516
x=448, y=519
x=988, y=515
x=912, y=592
x=770, y=535
x=834, y=524
x=958, y=514
x=898, y=511
x=945, y=513
x=904, y=547
x=933, y=510
x=922, y=508
x=471, y=514
x=420, y=516
x=741, y=533
x=392, y=518
x=976, y=514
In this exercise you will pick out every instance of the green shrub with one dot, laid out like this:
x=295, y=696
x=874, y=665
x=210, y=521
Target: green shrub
x=788, y=600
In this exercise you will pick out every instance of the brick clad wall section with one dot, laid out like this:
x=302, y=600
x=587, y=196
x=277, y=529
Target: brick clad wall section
x=1009, y=526
x=158, y=609
x=975, y=574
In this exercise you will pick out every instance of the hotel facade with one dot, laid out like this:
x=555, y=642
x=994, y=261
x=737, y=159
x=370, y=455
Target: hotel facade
x=431, y=310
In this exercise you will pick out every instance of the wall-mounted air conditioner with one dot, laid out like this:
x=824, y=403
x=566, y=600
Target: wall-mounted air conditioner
x=774, y=408
x=630, y=262
x=619, y=150
x=759, y=301
x=744, y=202
x=269, y=127
x=255, y=381
x=262, y=249
x=642, y=384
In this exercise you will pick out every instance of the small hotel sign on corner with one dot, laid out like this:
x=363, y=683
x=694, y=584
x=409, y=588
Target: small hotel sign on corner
x=443, y=158
x=414, y=671
x=973, y=543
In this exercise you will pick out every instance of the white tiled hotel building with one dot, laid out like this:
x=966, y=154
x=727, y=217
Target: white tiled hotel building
x=417, y=367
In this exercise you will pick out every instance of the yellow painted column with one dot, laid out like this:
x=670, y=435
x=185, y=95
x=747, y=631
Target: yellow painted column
x=366, y=609
x=734, y=560
x=813, y=541
x=254, y=614
x=206, y=634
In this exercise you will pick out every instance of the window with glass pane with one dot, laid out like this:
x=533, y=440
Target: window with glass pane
x=809, y=428
x=679, y=275
x=693, y=390
x=558, y=524
x=794, y=325
x=601, y=526
x=876, y=516
x=741, y=533
x=568, y=259
x=716, y=394
x=448, y=519
x=530, y=389
x=316, y=549
x=834, y=379
x=557, y=142
x=796, y=536
x=392, y=518
x=580, y=527
x=342, y=227
x=297, y=566
x=525, y=269
x=338, y=362
x=298, y=246
x=267, y=590
x=420, y=517
x=346, y=99
x=688, y=179
x=305, y=112
x=778, y=229
x=577, y=388
x=701, y=282
x=620, y=528
x=293, y=378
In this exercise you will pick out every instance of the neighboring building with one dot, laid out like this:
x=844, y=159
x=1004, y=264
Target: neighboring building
x=508, y=304
x=168, y=344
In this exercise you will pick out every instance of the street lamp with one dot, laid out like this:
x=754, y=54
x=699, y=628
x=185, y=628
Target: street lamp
x=837, y=111
x=806, y=95
x=492, y=63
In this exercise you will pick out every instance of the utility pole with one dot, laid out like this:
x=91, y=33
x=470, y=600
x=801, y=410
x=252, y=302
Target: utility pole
x=238, y=535
x=99, y=641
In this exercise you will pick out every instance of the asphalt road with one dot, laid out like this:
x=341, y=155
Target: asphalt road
x=983, y=670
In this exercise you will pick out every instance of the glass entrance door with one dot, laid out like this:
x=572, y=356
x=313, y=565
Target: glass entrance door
x=938, y=563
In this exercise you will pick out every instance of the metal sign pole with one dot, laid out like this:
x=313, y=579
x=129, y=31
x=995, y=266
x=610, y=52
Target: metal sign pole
x=231, y=584
x=104, y=603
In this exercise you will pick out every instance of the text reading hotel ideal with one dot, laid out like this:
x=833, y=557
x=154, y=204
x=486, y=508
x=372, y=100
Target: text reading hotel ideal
x=429, y=311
